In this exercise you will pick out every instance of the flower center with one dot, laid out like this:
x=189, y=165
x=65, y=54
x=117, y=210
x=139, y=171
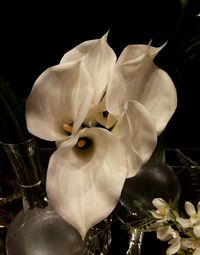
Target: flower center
x=67, y=128
x=84, y=143
x=163, y=211
x=81, y=143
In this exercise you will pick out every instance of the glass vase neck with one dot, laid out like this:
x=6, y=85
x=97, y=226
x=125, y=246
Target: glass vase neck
x=158, y=155
x=25, y=161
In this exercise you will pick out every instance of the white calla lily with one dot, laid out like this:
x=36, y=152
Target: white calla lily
x=84, y=185
x=136, y=77
x=58, y=97
x=138, y=134
x=99, y=59
x=69, y=102
x=66, y=93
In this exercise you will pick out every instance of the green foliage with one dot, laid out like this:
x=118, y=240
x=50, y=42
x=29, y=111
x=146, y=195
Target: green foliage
x=193, y=171
x=12, y=116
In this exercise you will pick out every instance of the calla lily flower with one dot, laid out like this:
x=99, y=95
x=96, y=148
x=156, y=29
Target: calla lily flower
x=66, y=93
x=100, y=142
x=136, y=77
x=90, y=179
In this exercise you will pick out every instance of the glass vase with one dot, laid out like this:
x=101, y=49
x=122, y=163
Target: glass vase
x=156, y=179
x=135, y=242
x=98, y=238
x=36, y=229
x=152, y=181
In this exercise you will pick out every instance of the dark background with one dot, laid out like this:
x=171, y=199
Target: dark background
x=35, y=36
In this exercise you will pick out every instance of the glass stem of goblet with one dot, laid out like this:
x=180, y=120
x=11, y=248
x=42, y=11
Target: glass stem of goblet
x=135, y=242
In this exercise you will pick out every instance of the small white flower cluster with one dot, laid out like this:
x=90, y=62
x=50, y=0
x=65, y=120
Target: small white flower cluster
x=182, y=234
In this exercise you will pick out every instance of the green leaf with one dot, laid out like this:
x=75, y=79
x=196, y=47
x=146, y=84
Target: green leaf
x=12, y=117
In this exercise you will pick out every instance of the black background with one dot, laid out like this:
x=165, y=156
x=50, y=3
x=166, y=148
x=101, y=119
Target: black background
x=34, y=36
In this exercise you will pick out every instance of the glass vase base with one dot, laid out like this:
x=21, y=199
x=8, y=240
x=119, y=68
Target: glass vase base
x=42, y=232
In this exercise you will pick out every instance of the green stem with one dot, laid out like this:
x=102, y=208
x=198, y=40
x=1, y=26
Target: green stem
x=13, y=125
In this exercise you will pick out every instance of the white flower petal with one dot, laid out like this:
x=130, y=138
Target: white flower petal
x=174, y=247
x=84, y=186
x=159, y=203
x=197, y=251
x=198, y=207
x=196, y=230
x=127, y=66
x=115, y=92
x=185, y=223
x=62, y=94
x=69, y=142
x=137, y=52
x=156, y=214
x=187, y=243
x=99, y=59
x=143, y=81
x=137, y=131
x=78, y=52
x=155, y=90
x=189, y=208
x=164, y=233
x=159, y=97
x=154, y=226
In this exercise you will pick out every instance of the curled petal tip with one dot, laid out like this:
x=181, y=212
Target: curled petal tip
x=105, y=36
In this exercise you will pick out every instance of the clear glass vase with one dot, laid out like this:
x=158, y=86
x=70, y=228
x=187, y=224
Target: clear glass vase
x=152, y=180
x=156, y=179
x=98, y=238
x=135, y=242
x=36, y=229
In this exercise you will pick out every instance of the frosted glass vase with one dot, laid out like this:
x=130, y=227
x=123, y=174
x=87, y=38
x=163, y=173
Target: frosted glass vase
x=37, y=229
